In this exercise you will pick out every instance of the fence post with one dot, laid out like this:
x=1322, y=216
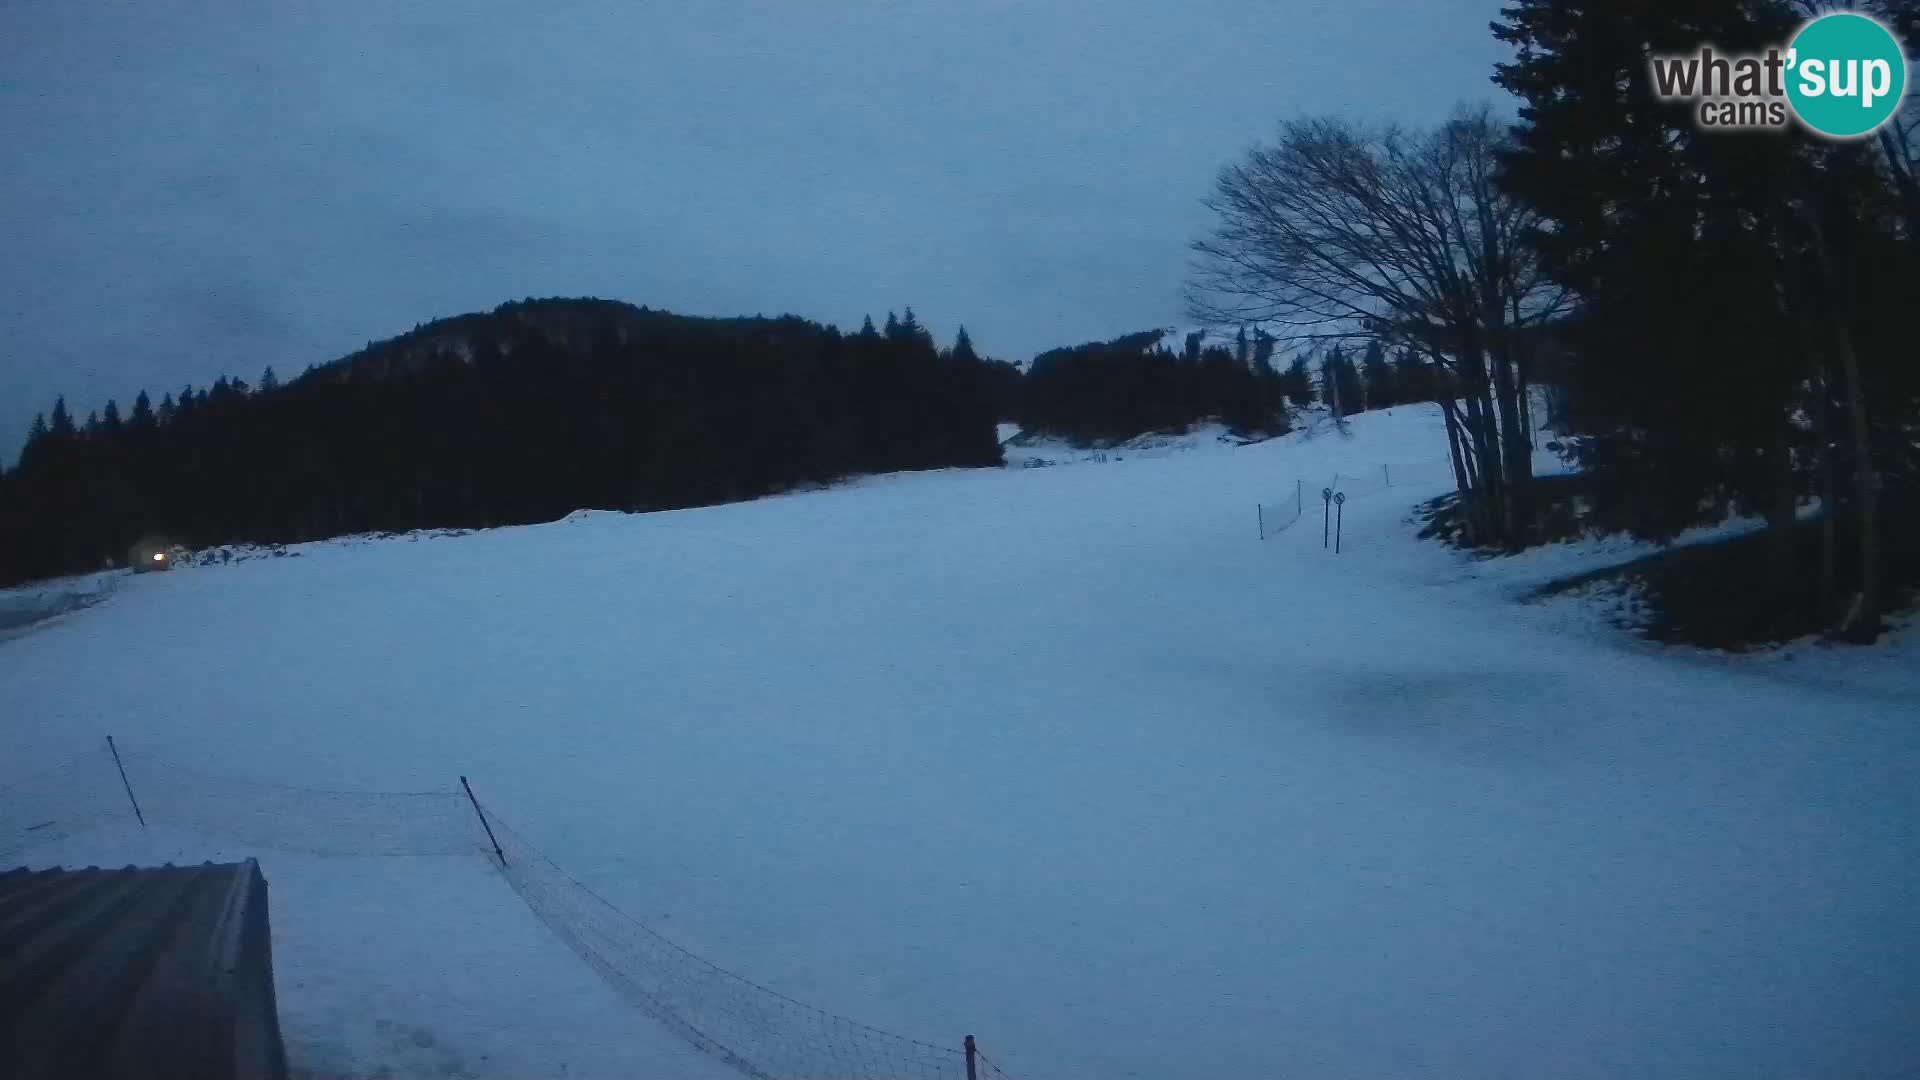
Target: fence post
x=1387, y=475
x=972, y=1073
x=142, y=818
x=1260, y=513
x=483, y=821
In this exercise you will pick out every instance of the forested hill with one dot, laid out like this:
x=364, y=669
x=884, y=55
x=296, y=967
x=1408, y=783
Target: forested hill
x=516, y=415
x=572, y=325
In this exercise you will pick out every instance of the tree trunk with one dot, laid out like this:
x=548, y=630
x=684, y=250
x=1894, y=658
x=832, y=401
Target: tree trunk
x=1781, y=531
x=1481, y=426
x=1862, y=622
x=1462, y=479
x=1516, y=453
x=1466, y=476
x=1526, y=413
x=1829, y=507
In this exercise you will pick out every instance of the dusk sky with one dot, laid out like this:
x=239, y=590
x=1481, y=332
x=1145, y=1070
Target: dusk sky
x=210, y=188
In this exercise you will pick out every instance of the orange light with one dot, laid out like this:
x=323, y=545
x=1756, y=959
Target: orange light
x=159, y=556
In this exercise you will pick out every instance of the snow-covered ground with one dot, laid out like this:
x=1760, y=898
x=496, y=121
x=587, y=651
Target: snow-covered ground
x=1062, y=757
x=26, y=606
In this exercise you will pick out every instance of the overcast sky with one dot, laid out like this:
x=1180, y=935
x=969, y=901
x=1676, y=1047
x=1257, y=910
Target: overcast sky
x=213, y=186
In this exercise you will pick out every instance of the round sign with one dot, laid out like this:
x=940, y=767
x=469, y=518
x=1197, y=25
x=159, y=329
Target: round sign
x=1846, y=75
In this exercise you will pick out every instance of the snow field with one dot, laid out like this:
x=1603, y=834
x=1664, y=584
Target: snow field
x=1065, y=758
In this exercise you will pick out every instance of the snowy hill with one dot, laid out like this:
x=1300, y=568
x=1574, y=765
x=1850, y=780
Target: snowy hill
x=1064, y=757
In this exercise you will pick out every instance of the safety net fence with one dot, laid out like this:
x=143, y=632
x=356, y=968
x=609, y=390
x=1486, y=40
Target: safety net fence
x=1276, y=516
x=759, y=1031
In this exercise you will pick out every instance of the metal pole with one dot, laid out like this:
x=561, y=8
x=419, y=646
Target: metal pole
x=1260, y=513
x=483, y=821
x=1339, y=515
x=1387, y=475
x=123, y=782
x=1326, y=513
x=971, y=1054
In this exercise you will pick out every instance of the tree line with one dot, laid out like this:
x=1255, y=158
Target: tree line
x=541, y=407
x=1728, y=317
x=520, y=415
x=1108, y=391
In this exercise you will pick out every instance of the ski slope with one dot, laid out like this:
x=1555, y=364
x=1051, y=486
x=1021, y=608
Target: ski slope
x=1063, y=757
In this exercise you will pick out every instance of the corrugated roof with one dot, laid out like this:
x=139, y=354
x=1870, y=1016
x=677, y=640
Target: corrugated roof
x=158, y=972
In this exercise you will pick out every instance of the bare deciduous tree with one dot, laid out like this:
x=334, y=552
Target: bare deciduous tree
x=1337, y=232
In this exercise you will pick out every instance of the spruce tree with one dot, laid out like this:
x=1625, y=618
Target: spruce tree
x=36, y=444
x=60, y=426
x=1667, y=235
x=1298, y=383
x=1263, y=345
x=963, y=348
x=912, y=333
x=141, y=418
x=1412, y=380
x=1377, y=374
x=1353, y=396
x=1331, y=383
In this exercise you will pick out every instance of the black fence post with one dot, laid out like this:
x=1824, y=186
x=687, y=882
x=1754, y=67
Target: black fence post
x=1339, y=517
x=1260, y=513
x=1386, y=474
x=483, y=821
x=123, y=782
x=972, y=1071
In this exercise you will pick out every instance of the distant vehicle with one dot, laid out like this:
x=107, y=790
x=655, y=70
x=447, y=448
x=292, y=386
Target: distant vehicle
x=149, y=555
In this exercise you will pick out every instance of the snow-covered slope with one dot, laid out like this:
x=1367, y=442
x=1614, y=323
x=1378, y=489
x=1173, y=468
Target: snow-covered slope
x=1066, y=758
x=26, y=606
x=1032, y=450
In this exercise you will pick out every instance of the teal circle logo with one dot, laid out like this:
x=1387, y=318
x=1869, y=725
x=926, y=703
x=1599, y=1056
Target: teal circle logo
x=1845, y=75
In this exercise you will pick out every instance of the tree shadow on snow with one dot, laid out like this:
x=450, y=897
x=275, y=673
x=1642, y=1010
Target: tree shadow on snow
x=1498, y=718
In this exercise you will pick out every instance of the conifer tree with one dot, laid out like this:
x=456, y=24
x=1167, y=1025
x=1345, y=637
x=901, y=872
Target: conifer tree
x=60, y=426
x=141, y=418
x=1377, y=376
